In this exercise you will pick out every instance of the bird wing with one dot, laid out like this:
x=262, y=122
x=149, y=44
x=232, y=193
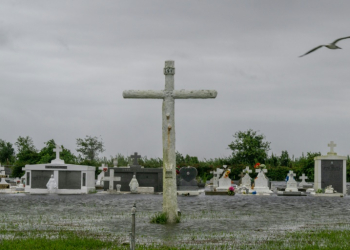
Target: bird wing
x=340, y=39
x=312, y=50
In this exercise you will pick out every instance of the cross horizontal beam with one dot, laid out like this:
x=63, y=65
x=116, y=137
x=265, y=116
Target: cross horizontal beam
x=176, y=94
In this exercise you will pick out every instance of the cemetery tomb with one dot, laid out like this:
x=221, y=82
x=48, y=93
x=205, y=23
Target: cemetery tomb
x=146, y=177
x=71, y=179
x=224, y=182
x=188, y=184
x=330, y=170
x=261, y=183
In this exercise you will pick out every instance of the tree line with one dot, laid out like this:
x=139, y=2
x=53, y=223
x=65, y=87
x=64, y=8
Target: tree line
x=248, y=148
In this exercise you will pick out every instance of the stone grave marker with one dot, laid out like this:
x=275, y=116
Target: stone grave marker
x=330, y=170
x=292, y=185
x=216, y=176
x=224, y=183
x=188, y=183
x=168, y=130
x=146, y=177
x=303, y=183
x=261, y=183
x=3, y=183
x=247, y=180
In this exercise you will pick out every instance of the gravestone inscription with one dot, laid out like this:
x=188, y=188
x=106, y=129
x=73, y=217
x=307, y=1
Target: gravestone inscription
x=332, y=174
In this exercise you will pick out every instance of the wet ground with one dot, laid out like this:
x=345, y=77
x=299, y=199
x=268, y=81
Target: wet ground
x=203, y=217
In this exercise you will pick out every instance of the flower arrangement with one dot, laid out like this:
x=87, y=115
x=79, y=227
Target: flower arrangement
x=227, y=173
x=258, y=165
x=231, y=191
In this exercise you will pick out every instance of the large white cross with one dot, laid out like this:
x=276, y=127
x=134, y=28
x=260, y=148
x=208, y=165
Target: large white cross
x=168, y=126
x=332, y=146
x=111, y=178
x=58, y=149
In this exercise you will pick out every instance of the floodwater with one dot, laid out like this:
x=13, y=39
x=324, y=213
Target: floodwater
x=202, y=216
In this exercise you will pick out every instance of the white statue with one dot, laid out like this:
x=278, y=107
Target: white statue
x=51, y=185
x=134, y=184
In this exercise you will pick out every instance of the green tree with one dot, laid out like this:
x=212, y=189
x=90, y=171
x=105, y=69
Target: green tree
x=249, y=147
x=285, y=160
x=90, y=147
x=46, y=154
x=26, y=154
x=7, y=152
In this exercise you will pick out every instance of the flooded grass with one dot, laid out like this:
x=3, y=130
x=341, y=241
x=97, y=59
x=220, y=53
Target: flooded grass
x=239, y=222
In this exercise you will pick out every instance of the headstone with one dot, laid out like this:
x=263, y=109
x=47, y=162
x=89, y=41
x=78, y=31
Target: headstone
x=303, y=183
x=3, y=183
x=216, y=176
x=168, y=130
x=224, y=182
x=292, y=185
x=133, y=185
x=261, y=183
x=188, y=183
x=330, y=170
x=51, y=185
x=247, y=180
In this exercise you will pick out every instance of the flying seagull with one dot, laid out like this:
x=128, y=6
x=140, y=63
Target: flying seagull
x=329, y=46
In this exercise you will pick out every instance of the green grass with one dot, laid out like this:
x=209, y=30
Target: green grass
x=67, y=240
x=162, y=218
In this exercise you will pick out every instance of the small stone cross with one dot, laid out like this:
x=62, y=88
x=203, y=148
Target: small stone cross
x=135, y=156
x=303, y=178
x=259, y=170
x=104, y=168
x=247, y=170
x=332, y=146
x=58, y=149
x=291, y=174
x=216, y=175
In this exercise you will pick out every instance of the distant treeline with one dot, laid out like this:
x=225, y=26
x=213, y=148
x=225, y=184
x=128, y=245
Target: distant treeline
x=248, y=148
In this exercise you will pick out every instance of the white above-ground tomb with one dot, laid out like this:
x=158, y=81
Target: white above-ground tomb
x=71, y=179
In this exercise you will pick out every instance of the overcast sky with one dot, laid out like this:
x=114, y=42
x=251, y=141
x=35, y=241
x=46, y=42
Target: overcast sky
x=65, y=64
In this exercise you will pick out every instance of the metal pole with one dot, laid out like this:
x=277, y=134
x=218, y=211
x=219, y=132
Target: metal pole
x=132, y=233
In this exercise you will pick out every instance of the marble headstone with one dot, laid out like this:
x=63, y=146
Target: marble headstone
x=261, y=183
x=247, y=180
x=188, y=179
x=292, y=185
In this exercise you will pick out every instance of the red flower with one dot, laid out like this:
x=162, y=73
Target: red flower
x=257, y=165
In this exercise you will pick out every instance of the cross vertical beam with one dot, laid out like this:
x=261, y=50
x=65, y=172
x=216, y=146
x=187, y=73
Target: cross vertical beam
x=168, y=130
